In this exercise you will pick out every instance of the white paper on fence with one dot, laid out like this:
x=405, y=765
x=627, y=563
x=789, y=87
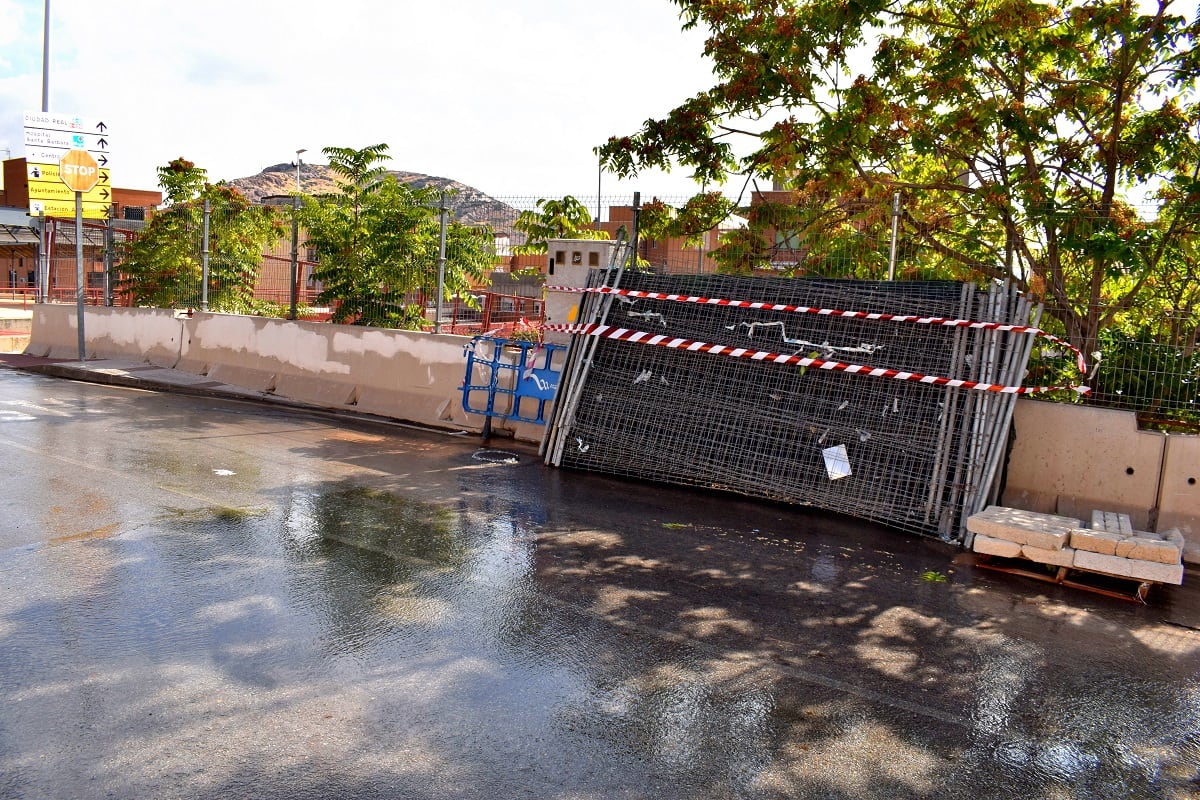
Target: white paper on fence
x=837, y=462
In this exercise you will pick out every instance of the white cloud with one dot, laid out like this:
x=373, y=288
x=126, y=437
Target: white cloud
x=510, y=98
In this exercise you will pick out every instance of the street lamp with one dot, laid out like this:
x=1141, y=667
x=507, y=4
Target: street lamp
x=46, y=58
x=298, y=163
x=295, y=288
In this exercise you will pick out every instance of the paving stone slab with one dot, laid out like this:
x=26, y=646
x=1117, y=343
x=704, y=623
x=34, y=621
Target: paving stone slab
x=1058, y=558
x=1044, y=531
x=1112, y=521
x=1129, y=568
x=996, y=547
x=1095, y=541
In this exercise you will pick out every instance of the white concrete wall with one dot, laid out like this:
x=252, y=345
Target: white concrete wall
x=405, y=375
x=1179, y=495
x=151, y=334
x=1071, y=459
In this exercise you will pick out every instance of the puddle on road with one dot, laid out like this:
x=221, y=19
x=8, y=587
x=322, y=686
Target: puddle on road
x=218, y=514
x=388, y=524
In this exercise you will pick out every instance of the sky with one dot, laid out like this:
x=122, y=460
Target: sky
x=510, y=98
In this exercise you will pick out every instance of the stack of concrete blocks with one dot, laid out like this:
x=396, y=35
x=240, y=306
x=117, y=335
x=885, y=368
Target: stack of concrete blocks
x=1111, y=546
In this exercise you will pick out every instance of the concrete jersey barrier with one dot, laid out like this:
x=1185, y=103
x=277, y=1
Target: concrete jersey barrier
x=405, y=375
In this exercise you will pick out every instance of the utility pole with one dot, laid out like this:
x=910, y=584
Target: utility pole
x=46, y=58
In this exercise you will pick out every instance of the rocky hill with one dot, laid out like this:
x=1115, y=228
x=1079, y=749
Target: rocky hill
x=467, y=204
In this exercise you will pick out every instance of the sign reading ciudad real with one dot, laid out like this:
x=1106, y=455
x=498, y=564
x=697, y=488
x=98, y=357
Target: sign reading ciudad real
x=48, y=138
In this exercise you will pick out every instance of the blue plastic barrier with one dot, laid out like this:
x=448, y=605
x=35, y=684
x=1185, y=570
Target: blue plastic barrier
x=520, y=372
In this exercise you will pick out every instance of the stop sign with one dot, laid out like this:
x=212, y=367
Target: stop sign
x=78, y=170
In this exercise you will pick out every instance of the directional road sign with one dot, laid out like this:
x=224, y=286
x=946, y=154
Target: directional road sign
x=66, y=209
x=49, y=137
x=51, y=155
x=45, y=183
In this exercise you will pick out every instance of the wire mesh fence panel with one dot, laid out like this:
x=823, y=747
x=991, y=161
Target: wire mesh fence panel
x=1151, y=369
x=892, y=450
x=103, y=242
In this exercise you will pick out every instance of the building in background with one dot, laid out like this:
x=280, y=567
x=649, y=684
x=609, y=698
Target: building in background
x=20, y=235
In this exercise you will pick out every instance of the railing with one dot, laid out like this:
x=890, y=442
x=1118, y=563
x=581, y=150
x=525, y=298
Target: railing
x=91, y=297
x=492, y=312
x=502, y=309
x=14, y=295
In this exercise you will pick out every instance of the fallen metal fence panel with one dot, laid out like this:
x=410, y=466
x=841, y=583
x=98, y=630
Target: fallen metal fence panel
x=917, y=456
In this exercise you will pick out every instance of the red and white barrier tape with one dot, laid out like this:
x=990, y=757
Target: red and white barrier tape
x=1080, y=362
x=642, y=337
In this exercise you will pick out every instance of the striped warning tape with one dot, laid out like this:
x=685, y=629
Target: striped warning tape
x=1080, y=362
x=661, y=340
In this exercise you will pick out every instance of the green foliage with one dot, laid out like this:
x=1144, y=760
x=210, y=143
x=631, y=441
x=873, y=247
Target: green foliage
x=1017, y=130
x=163, y=267
x=181, y=181
x=554, y=219
x=1142, y=374
x=525, y=333
x=377, y=243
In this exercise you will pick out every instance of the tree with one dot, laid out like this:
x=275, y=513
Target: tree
x=554, y=219
x=377, y=244
x=164, y=266
x=1020, y=132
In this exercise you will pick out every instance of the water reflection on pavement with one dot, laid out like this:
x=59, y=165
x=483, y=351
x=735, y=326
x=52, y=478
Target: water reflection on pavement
x=381, y=614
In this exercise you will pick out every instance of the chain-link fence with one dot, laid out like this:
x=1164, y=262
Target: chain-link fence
x=1123, y=288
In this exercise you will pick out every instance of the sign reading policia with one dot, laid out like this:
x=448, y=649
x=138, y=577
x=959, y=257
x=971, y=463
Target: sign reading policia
x=49, y=137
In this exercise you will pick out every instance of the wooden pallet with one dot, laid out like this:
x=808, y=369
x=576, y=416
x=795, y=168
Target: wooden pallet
x=1087, y=580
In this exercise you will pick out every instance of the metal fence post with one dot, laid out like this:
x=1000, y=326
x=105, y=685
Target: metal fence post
x=637, y=221
x=441, y=265
x=43, y=273
x=109, y=257
x=204, y=258
x=895, y=236
x=295, y=291
x=80, y=290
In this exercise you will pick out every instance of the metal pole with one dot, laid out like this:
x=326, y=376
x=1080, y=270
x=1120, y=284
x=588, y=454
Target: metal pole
x=599, y=177
x=79, y=273
x=441, y=265
x=637, y=213
x=109, y=256
x=299, y=162
x=46, y=58
x=204, y=257
x=43, y=272
x=295, y=292
x=895, y=234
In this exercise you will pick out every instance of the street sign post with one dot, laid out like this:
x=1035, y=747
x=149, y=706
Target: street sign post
x=80, y=172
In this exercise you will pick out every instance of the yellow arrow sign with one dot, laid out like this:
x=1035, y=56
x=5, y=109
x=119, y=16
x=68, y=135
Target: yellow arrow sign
x=46, y=190
x=66, y=209
x=49, y=172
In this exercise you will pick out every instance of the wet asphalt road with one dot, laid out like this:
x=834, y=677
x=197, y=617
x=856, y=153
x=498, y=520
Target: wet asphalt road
x=208, y=599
